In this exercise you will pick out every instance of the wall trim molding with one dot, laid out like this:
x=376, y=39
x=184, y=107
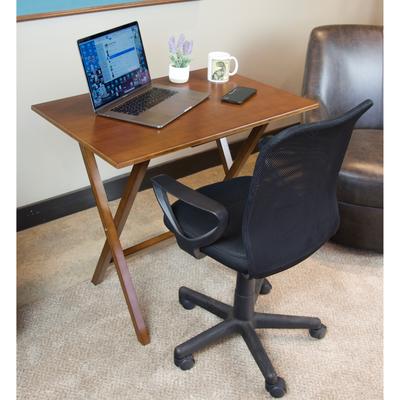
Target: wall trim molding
x=81, y=199
x=84, y=10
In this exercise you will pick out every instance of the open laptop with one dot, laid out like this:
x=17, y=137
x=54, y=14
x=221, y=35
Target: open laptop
x=119, y=80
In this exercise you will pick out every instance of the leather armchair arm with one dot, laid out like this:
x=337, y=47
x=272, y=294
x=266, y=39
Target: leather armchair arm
x=317, y=115
x=163, y=184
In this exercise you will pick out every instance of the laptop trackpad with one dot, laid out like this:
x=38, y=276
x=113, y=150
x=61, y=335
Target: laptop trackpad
x=155, y=115
x=154, y=118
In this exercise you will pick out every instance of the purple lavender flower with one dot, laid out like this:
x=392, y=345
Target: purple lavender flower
x=187, y=47
x=181, y=40
x=180, y=51
x=172, y=45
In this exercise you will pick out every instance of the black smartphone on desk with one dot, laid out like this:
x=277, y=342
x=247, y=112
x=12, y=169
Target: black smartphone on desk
x=238, y=95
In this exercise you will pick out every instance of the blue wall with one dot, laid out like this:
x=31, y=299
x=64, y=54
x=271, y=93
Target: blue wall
x=25, y=7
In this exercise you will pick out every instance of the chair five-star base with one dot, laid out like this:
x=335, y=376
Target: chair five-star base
x=241, y=318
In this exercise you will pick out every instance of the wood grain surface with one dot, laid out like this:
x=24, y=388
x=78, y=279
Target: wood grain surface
x=122, y=143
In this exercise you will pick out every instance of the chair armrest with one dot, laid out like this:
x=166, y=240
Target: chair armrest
x=163, y=184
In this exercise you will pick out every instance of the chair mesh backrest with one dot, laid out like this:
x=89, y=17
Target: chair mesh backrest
x=344, y=66
x=292, y=209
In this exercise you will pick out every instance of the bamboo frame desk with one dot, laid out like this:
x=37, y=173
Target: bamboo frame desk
x=124, y=144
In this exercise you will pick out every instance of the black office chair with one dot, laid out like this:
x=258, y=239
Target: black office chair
x=259, y=226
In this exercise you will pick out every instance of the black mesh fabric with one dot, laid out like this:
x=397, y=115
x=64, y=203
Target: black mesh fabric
x=291, y=208
x=229, y=249
x=288, y=209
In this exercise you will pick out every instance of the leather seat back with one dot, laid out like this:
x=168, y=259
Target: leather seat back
x=343, y=68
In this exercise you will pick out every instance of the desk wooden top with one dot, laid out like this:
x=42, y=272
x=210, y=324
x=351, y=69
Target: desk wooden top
x=122, y=143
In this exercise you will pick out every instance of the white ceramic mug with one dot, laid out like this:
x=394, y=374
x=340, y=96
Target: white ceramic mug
x=219, y=64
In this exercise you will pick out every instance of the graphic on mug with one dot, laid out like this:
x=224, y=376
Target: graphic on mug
x=220, y=70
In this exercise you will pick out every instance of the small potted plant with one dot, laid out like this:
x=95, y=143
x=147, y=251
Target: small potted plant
x=179, y=52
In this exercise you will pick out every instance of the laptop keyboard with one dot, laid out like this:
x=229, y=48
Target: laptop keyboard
x=144, y=101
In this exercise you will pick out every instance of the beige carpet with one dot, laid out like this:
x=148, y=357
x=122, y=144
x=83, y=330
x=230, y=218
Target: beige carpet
x=79, y=344
x=75, y=340
x=64, y=252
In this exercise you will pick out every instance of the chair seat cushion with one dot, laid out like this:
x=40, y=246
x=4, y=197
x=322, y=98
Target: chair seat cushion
x=360, y=179
x=229, y=249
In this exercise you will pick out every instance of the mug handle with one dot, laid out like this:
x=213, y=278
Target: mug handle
x=236, y=65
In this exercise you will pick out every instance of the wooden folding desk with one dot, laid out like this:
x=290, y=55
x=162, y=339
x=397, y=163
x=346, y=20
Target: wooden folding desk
x=122, y=144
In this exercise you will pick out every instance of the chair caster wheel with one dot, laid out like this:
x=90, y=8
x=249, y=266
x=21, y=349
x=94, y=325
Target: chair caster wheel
x=277, y=389
x=266, y=287
x=184, y=363
x=318, y=333
x=186, y=304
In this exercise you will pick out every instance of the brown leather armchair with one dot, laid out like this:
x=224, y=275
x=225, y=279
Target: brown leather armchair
x=343, y=68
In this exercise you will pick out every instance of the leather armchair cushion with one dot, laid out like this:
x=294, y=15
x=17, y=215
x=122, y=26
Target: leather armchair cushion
x=360, y=179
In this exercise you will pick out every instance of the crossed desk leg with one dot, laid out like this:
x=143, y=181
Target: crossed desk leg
x=112, y=249
x=112, y=229
x=232, y=169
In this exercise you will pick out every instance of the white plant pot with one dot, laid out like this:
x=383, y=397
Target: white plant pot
x=179, y=75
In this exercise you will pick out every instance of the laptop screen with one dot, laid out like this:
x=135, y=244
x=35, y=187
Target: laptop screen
x=114, y=62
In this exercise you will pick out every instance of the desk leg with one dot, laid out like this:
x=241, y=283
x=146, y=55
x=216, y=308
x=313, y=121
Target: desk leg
x=125, y=205
x=117, y=252
x=225, y=153
x=245, y=151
